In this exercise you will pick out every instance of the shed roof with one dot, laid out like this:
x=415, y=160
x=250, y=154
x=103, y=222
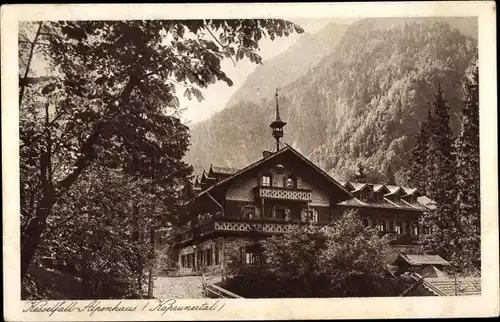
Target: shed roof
x=424, y=259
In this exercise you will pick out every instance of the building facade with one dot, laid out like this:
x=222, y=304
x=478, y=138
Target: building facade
x=234, y=208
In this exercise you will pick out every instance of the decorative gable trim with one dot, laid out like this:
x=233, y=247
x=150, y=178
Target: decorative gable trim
x=288, y=148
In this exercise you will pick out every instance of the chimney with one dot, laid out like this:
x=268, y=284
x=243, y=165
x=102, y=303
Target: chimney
x=266, y=153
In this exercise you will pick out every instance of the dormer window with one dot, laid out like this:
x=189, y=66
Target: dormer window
x=266, y=180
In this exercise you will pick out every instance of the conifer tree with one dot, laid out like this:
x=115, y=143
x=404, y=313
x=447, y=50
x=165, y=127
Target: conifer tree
x=440, y=222
x=468, y=177
x=418, y=162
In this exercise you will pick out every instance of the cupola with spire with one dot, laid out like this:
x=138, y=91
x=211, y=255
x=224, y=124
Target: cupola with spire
x=277, y=125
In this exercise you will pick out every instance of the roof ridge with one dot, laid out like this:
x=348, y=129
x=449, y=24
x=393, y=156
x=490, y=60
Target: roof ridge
x=263, y=160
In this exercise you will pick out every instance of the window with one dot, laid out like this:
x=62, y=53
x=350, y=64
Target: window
x=280, y=213
x=266, y=180
x=216, y=255
x=312, y=216
x=201, y=258
x=387, y=226
x=309, y=215
x=249, y=212
x=208, y=261
x=249, y=257
x=365, y=222
x=362, y=195
x=291, y=182
x=399, y=228
x=380, y=225
x=415, y=229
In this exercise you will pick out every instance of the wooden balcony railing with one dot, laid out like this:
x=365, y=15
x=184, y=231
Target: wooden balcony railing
x=283, y=193
x=404, y=239
x=231, y=224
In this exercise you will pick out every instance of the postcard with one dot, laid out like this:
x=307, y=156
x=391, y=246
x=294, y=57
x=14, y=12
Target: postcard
x=249, y=161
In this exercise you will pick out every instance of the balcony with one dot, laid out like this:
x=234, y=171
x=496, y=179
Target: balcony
x=283, y=193
x=231, y=224
x=400, y=239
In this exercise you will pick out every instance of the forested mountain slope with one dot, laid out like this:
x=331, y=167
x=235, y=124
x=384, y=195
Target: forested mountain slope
x=289, y=65
x=363, y=103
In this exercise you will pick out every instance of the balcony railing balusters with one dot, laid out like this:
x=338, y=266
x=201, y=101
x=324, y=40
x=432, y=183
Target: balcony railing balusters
x=283, y=193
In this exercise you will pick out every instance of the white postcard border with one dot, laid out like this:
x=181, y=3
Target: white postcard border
x=465, y=306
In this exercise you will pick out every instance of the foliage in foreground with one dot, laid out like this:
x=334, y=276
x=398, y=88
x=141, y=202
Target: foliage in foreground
x=347, y=260
x=102, y=143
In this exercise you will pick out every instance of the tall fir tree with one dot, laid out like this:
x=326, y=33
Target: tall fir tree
x=418, y=162
x=440, y=223
x=468, y=176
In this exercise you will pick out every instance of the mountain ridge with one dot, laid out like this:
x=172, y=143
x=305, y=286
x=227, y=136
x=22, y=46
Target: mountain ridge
x=289, y=65
x=361, y=103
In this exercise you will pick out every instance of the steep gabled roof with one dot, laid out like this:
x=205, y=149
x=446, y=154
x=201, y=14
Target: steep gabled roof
x=220, y=173
x=347, y=185
x=357, y=185
x=360, y=186
x=224, y=170
x=284, y=150
x=411, y=191
x=381, y=188
x=394, y=189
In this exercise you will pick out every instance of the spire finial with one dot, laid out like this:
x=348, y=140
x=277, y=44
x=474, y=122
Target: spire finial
x=277, y=107
x=277, y=125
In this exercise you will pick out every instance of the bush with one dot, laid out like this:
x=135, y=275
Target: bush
x=345, y=259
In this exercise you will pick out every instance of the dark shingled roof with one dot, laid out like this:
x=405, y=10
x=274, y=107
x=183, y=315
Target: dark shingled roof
x=424, y=259
x=224, y=170
x=384, y=203
x=445, y=286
